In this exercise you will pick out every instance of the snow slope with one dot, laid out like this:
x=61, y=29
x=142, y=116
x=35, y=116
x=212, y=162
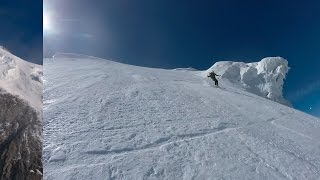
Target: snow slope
x=21, y=78
x=107, y=120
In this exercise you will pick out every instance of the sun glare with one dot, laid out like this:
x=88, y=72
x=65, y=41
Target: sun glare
x=46, y=22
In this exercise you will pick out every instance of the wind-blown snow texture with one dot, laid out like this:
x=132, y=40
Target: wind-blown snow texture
x=106, y=120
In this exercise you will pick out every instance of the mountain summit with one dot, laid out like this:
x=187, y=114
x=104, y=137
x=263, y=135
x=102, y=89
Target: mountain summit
x=107, y=120
x=20, y=118
x=21, y=78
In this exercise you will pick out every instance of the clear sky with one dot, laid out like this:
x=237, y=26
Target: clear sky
x=189, y=33
x=21, y=28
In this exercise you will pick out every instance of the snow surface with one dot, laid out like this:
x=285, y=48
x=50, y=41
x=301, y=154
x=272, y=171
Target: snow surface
x=21, y=78
x=107, y=120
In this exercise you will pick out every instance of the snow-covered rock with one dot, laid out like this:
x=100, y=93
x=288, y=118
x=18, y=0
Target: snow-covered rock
x=21, y=78
x=20, y=118
x=264, y=78
x=107, y=120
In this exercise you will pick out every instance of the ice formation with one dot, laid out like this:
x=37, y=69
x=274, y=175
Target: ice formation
x=264, y=78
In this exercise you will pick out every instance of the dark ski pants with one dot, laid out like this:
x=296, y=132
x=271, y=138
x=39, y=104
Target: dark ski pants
x=215, y=81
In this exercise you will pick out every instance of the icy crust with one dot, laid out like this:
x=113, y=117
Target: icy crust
x=21, y=78
x=264, y=78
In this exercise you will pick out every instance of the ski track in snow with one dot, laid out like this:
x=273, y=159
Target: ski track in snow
x=106, y=120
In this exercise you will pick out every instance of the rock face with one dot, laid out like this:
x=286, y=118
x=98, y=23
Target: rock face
x=264, y=78
x=20, y=149
x=20, y=118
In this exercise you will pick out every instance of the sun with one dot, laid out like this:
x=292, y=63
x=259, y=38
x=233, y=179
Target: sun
x=46, y=22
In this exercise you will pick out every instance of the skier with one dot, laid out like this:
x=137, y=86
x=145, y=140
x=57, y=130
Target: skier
x=213, y=75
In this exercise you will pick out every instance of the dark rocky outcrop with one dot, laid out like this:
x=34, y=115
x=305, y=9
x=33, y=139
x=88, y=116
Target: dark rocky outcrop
x=20, y=139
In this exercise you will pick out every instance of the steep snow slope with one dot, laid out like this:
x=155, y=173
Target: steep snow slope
x=106, y=120
x=20, y=118
x=21, y=78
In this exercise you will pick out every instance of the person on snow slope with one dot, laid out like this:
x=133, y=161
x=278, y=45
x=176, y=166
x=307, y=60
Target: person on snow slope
x=213, y=75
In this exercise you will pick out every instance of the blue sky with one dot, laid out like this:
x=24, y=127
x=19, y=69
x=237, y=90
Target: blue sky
x=170, y=34
x=21, y=28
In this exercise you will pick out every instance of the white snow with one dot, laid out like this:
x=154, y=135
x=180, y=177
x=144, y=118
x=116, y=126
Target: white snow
x=21, y=78
x=107, y=120
x=264, y=78
x=58, y=154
